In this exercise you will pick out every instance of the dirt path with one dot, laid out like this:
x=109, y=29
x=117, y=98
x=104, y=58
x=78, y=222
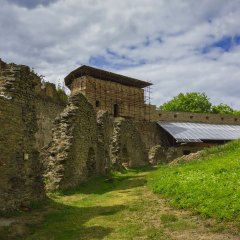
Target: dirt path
x=129, y=210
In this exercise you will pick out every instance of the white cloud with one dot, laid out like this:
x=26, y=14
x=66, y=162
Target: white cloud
x=165, y=35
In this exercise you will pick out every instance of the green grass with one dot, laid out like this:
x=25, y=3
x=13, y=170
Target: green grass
x=99, y=210
x=123, y=209
x=209, y=186
x=168, y=218
x=172, y=222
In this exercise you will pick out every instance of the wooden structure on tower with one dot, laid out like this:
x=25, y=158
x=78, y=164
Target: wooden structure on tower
x=119, y=95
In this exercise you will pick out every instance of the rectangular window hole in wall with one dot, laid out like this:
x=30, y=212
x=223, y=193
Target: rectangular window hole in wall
x=97, y=103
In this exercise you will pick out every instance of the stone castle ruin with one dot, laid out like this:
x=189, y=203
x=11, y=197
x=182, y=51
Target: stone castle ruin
x=118, y=95
x=49, y=141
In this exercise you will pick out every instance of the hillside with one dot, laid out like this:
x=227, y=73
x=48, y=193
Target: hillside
x=208, y=185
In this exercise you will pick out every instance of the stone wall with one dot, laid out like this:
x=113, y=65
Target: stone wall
x=152, y=134
x=49, y=104
x=157, y=154
x=127, y=146
x=20, y=179
x=71, y=156
x=74, y=143
x=161, y=146
x=47, y=111
x=156, y=115
x=104, y=131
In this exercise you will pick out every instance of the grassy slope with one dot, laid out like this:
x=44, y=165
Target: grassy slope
x=210, y=185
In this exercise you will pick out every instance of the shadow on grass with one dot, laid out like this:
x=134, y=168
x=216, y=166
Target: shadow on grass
x=63, y=222
x=119, y=181
x=71, y=222
x=67, y=222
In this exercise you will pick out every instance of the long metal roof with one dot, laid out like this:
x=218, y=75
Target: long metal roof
x=104, y=75
x=198, y=132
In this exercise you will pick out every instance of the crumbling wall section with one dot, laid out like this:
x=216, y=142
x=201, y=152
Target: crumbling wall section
x=156, y=140
x=104, y=131
x=50, y=102
x=47, y=111
x=157, y=155
x=20, y=179
x=127, y=146
x=152, y=134
x=71, y=156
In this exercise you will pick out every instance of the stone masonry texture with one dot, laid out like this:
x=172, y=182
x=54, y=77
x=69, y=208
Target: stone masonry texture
x=71, y=156
x=151, y=134
x=127, y=145
x=49, y=104
x=20, y=179
x=104, y=130
x=157, y=154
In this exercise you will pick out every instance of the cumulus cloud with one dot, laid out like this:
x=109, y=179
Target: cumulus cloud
x=180, y=46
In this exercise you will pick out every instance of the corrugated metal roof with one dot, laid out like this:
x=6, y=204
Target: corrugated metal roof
x=198, y=132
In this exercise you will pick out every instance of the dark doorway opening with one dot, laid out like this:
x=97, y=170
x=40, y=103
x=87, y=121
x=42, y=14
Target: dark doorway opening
x=97, y=103
x=115, y=110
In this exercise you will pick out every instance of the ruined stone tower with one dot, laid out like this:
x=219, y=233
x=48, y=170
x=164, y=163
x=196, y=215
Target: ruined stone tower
x=119, y=95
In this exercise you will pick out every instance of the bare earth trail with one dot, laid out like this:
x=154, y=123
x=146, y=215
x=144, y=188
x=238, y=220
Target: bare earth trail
x=129, y=210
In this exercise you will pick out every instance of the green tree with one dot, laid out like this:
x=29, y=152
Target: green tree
x=236, y=112
x=223, y=109
x=189, y=102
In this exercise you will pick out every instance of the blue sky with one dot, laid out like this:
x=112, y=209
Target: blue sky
x=180, y=46
x=226, y=44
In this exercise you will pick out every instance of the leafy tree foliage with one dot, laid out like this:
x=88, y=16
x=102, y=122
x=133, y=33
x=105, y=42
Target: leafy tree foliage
x=196, y=102
x=189, y=102
x=222, y=108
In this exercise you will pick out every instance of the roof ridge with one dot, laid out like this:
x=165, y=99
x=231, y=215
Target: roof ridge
x=104, y=75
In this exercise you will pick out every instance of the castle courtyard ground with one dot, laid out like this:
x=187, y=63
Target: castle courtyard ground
x=122, y=207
